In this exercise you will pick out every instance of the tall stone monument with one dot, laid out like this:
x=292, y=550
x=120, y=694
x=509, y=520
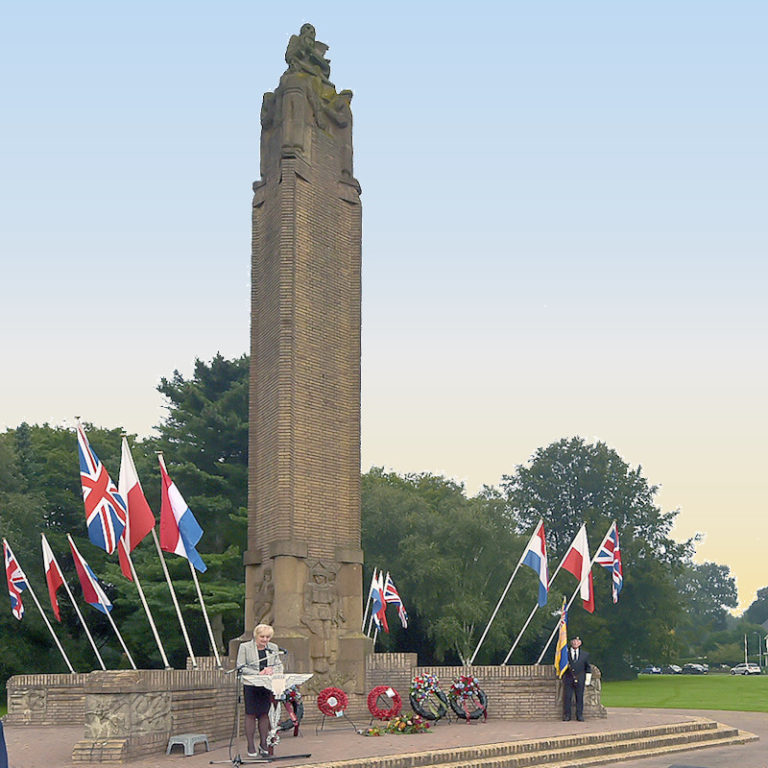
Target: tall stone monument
x=304, y=561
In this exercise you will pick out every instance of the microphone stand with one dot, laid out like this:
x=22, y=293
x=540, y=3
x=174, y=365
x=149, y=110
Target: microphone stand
x=234, y=738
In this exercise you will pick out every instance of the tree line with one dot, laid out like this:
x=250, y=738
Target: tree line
x=451, y=554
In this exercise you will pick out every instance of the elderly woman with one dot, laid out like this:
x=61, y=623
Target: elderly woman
x=258, y=657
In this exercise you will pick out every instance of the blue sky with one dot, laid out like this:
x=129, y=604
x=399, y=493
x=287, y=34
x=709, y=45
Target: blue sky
x=564, y=227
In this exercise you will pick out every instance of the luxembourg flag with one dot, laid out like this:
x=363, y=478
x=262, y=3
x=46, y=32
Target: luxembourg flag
x=139, y=520
x=179, y=531
x=578, y=562
x=53, y=577
x=378, y=605
x=93, y=594
x=535, y=556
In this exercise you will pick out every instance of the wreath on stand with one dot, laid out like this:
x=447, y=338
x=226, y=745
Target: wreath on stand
x=293, y=702
x=465, y=692
x=390, y=693
x=426, y=697
x=332, y=702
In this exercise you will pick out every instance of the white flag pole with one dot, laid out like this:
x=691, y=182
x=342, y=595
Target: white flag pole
x=106, y=605
x=45, y=618
x=205, y=615
x=50, y=628
x=175, y=601
x=535, y=608
x=127, y=457
x=501, y=599
x=145, y=604
x=119, y=636
x=573, y=597
x=368, y=602
x=74, y=604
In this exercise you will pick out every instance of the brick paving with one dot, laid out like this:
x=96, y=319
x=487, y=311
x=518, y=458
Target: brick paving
x=51, y=747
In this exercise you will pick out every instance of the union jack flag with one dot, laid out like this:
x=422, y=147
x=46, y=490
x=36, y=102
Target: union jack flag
x=17, y=581
x=609, y=556
x=105, y=510
x=392, y=597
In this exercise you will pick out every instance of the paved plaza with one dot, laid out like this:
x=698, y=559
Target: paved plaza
x=37, y=747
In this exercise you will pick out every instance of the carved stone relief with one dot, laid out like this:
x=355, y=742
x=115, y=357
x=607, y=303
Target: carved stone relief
x=322, y=615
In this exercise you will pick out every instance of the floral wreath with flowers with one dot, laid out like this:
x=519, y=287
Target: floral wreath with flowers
x=373, y=702
x=426, y=697
x=402, y=724
x=294, y=705
x=464, y=692
x=332, y=702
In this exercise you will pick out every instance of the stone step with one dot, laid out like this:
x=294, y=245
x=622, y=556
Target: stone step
x=601, y=753
x=565, y=751
x=741, y=737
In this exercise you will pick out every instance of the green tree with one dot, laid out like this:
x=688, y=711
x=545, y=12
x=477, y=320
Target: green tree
x=572, y=482
x=757, y=613
x=707, y=590
x=450, y=557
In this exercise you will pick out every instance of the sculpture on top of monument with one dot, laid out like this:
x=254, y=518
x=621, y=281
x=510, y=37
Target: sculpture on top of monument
x=305, y=54
x=307, y=98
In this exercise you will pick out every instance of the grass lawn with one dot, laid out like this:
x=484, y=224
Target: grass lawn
x=730, y=692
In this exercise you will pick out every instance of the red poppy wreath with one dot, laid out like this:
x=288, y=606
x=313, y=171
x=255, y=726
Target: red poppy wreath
x=373, y=702
x=332, y=701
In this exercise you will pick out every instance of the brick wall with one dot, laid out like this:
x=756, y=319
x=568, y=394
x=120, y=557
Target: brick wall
x=525, y=692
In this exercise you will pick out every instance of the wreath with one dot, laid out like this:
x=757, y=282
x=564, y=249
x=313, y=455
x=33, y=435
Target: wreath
x=465, y=690
x=332, y=701
x=390, y=693
x=426, y=697
x=293, y=704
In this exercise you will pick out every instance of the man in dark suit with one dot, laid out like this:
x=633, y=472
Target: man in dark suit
x=575, y=678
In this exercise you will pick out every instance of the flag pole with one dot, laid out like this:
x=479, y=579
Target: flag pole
x=74, y=605
x=530, y=617
x=205, y=615
x=567, y=607
x=119, y=636
x=127, y=551
x=175, y=601
x=101, y=597
x=368, y=602
x=50, y=628
x=145, y=604
x=501, y=600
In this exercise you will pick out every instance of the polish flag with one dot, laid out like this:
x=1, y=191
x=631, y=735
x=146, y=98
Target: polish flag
x=179, y=531
x=52, y=576
x=140, y=520
x=578, y=562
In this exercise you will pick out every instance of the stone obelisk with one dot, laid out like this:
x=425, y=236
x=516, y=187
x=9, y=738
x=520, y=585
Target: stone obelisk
x=304, y=561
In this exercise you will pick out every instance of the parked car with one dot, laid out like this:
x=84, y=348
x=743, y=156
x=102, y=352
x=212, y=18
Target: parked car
x=672, y=669
x=694, y=669
x=650, y=670
x=746, y=669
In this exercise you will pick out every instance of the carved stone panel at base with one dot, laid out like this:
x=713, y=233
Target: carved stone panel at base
x=109, y=716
